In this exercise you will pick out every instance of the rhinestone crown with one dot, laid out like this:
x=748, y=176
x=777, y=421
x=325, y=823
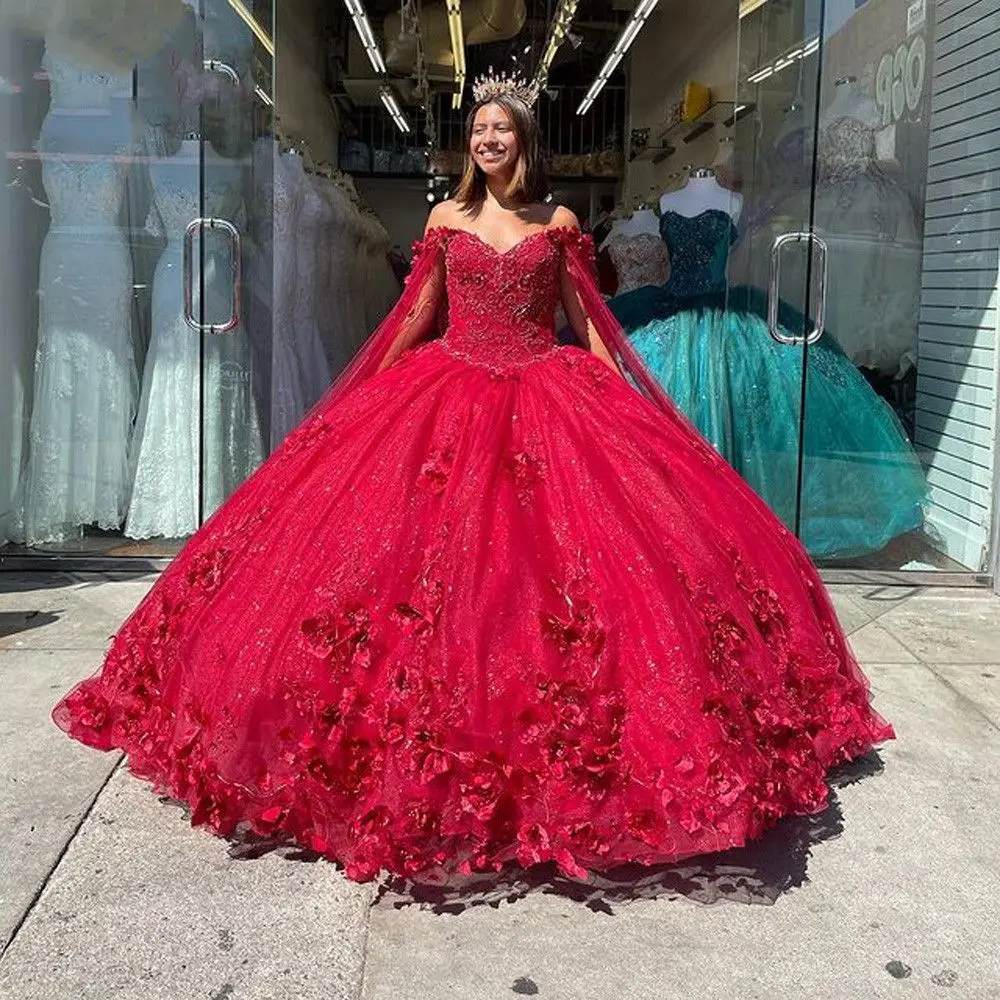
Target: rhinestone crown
x=488, y=86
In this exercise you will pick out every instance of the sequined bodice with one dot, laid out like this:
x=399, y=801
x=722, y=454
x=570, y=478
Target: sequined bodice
x=501, y=305
x=699, y=250
x=638, y=260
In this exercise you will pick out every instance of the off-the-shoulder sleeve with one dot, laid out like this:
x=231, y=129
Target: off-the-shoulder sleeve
x=580, y=263
x=412, y=319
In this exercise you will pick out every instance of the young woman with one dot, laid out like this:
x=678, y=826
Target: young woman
x=489, y=602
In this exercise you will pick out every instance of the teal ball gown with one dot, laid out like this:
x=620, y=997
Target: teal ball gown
x=709, y=347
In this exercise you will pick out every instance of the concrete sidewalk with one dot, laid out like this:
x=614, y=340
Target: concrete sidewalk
x=105, y=892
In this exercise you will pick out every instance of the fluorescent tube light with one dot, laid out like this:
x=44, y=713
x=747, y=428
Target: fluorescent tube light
x=253, y=24
x=364, y=29
x=625, y=40
x=457, y=34
x=395, y=113
x=562, y=21
x=788, y=59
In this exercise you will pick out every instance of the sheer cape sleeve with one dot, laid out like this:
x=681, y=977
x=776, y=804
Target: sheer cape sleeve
x=581, y=269
x=416, y=316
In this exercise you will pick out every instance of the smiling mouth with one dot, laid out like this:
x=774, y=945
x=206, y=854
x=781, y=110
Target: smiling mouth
x=492, y=157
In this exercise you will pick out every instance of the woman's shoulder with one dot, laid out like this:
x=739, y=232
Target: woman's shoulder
x=443, y=214
x=562, y=217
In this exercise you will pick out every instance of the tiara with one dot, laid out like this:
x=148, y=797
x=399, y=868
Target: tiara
x=488, y=86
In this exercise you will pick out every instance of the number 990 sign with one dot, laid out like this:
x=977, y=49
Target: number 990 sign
x=899, y=80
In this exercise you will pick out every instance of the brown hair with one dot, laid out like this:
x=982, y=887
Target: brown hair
x=530, y=182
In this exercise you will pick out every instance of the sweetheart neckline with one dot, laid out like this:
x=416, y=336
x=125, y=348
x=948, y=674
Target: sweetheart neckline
x=496, y=251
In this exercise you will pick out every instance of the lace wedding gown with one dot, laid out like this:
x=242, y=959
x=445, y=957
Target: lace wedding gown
x=85, y=379
x=197, y=436
x=301, y=371
x=487, y=604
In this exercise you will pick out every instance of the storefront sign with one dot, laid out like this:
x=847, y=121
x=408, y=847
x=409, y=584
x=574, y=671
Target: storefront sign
x=899, y=80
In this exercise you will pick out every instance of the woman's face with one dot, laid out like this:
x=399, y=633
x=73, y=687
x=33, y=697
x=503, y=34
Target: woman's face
x=493, y=145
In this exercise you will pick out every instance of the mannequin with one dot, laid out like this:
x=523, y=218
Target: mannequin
x=702, y=193
x=637, y=251
x=189, y=451
x=85, y=378
x=726, y=165
x=643, y=220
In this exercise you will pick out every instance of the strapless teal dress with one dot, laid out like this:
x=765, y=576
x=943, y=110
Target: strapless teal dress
x=709, y=346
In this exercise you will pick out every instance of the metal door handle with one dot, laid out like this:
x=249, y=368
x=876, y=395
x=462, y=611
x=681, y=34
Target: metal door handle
x=774, y=287
x=197, y=226
x=217, y=66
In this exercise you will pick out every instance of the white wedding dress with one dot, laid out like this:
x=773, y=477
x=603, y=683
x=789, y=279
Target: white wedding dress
x=300, y=368
x=198, y=435
x=343, y=293
x=20, y=219
x=360, y=286
x=85, y=381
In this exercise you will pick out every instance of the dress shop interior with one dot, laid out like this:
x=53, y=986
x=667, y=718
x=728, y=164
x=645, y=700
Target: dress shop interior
x=207, y=205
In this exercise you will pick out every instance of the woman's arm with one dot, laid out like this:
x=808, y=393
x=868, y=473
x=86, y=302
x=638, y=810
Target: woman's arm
x=576, y=314
x=419, y=319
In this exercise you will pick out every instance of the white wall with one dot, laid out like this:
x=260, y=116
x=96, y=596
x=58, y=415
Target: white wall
x=957, y=395
x=682, y=40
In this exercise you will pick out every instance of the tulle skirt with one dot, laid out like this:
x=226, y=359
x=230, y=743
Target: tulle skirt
x=466, y=617
x=862, y=483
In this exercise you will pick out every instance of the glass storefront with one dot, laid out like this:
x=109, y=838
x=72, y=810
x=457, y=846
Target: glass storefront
x=183, y=267
x=136, y=270
x=872, y=216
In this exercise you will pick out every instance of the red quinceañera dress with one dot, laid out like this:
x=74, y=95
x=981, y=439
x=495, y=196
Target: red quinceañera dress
x=489, y=602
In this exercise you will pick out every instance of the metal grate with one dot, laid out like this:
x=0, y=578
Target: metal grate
x=575, y=145
x=379, y=147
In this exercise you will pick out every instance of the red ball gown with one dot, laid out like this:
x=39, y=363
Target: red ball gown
x=489, y=602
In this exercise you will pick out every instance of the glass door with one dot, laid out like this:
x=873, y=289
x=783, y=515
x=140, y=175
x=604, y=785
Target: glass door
x=777, y=275
x=913, y=465
x=227, y=249
x=830, y=259
x=136, y=215
x=864, y=484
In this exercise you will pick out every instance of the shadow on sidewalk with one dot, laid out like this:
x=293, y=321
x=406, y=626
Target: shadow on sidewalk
x=12, y=622
x=759, y=873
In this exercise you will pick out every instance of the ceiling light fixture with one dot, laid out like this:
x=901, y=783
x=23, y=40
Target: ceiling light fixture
x=457, y=33
x=364, y=29
x=625, y=40
x=559, y=32
x=253, y=24
x=788, y=59
x=392, y=106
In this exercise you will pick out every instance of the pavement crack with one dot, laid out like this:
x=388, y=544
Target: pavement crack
x=964, y=699
x=62, y=853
